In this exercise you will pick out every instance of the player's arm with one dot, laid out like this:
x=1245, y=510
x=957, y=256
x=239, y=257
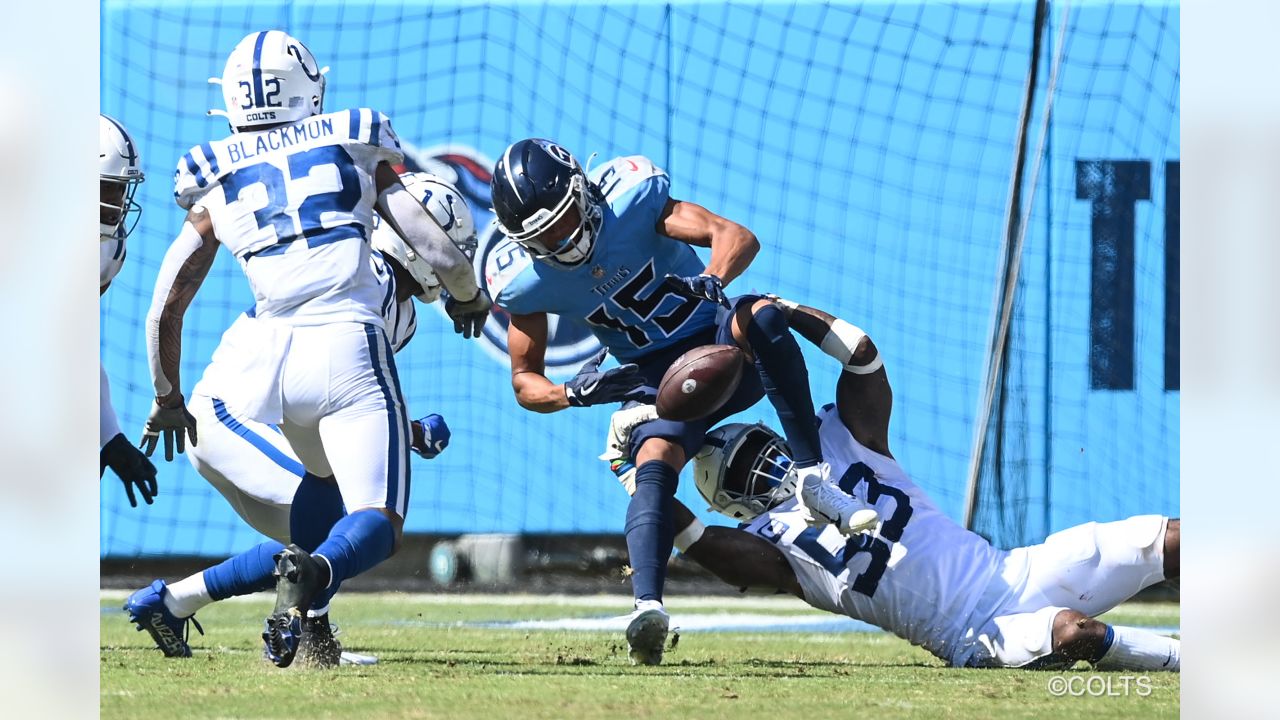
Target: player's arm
x=733, y=247
x=736, y=557
x=863, y=396
x=527, y=347
x=466, y=305
x=183, y=270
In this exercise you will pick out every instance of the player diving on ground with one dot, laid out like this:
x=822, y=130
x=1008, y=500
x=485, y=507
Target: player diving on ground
x=615, y=251
x=920, y=575
x=253, y=467
x=291, y=194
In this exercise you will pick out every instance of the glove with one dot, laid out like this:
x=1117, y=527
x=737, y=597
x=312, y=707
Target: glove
x=617, y=447
x=703, y=287
x=592, y=387
x=131, y=466
x=468, y=317
x=174, y=422
x=430, y=436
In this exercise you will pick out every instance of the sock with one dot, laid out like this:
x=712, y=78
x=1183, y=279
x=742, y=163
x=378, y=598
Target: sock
x=249, y=572
x=357, y=542
x=650, y=528
x=187, y=596
x=786, y=382
x=643, y=605
x=1128, y=648
x=317, y=506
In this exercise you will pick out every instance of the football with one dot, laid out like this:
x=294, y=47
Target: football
x=699, y=382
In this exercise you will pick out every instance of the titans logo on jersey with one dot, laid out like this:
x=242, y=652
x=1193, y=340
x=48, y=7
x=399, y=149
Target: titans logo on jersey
x=619, y=293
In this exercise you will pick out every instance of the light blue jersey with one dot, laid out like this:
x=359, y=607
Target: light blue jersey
x=619, y=292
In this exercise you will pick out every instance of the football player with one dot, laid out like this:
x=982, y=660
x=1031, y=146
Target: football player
x=257, y=472
x=119, y=174
x=291, y=194
x=921, y=576
x=613, y=250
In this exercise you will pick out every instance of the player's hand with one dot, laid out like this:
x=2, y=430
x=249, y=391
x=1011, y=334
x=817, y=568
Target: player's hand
x=592, y=387
x=131, y=466
x=430, y=436
x=703, y=287
x=468, y=317
x=173, y=421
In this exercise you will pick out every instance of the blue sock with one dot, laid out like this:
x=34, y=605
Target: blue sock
x=317, y=507
x=786, y=381
x=249, y=572
x=357, y=542
x=650, y=529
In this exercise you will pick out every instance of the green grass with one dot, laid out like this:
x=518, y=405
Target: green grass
x=432, y=666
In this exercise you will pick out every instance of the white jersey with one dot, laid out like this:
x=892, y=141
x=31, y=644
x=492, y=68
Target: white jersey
x=294, y=204
x=921, y=575
x=110, y=258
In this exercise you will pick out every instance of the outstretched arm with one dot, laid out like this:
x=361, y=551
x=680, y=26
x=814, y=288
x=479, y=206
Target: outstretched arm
x=182, y=271
x=863, y=396
x=737, y=557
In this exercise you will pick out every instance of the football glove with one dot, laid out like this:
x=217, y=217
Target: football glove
x=592, y=387
x=131, y=466
x=430, y=436
x=468, y=317
x=702, y=287
x=173, y=422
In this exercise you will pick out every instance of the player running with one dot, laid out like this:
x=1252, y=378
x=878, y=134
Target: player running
x=291, y=193
x=257, y=472
x=613, y=250
x=119, y=174
x=920, y=576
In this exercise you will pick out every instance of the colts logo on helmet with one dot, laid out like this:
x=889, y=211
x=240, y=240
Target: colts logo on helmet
x=568, y=344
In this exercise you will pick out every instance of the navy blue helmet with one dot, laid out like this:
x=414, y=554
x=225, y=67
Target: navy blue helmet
x=544, y=202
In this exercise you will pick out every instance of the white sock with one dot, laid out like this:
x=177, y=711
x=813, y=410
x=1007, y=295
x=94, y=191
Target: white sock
x=1135, y=649
x=819, y=473
x=187, y=596
x=317, y=612
x=642, y=605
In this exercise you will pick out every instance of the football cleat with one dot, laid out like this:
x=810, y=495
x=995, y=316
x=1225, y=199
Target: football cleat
x=146, y=610
x=300, y=578
x=647, y=636
x=826, y=504
x=317, y=647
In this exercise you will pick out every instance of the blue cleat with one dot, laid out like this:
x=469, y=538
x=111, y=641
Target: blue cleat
x=146, y=610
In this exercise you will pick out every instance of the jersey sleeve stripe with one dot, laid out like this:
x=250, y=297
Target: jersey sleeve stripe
x=192, y=168
x=375, y=119
x=207, y=162
x=353, y=117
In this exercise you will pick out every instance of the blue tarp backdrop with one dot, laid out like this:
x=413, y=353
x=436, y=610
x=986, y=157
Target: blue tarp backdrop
x=870, y=146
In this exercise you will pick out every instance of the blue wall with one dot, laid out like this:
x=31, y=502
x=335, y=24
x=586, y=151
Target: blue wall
x=869, y=147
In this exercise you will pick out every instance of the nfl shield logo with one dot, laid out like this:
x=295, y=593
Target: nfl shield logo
x=597, y=272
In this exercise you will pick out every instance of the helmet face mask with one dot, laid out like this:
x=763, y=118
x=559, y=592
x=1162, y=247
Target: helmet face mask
x=119, y=174
x=270, y=78
x=537, y=187
x=743, y=469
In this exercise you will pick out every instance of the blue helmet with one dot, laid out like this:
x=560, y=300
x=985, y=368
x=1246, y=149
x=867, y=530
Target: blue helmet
x=535, y=187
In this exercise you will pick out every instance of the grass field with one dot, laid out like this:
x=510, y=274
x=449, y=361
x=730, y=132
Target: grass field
x=449, y=657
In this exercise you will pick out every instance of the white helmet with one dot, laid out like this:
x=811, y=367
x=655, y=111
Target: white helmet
x=447, y=206
x=270, y=78
x=119, y=173
x=743, y=470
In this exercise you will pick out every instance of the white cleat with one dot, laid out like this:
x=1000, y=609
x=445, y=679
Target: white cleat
x=827, y=504
x=647, y=635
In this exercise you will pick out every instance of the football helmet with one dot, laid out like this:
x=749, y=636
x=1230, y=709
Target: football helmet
x=535, y=186
x=743, y=470
x=447, y=206
x=119, y=173
x=270, y=78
